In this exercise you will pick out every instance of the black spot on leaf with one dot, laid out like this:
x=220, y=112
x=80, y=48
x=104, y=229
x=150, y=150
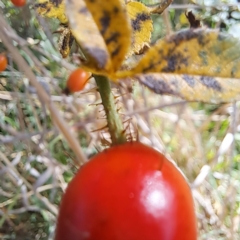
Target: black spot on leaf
x=116, y=10
x=174, y=62
x=83, y=10
x=159, y=86
x=113, y=38
x=105, y=22
x=149, y=67
x=189, y=80
x=187, y=35
x=141, y=17
x=210, y=82
x=116, y=51
x=98, y=56
x=56, y=2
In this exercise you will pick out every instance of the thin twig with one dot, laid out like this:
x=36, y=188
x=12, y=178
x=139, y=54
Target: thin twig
x=145, y=110
x=195, y=6
x=22, y=180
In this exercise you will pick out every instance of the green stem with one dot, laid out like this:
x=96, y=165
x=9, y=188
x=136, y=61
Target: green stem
x=114, y=121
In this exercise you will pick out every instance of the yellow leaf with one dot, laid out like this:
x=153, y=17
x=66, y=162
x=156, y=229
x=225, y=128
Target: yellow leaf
x=183, y=19
x=51, y=9
x=88, y=36
x=105, y=35
x=194, y=64
x=194, y=52
x=114, y=26
x=65, y=41
x=192, y=88
x=142, y=26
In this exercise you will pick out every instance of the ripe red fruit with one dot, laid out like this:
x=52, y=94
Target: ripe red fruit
x=77, y=80
x=127, y=192
x=18, y=3
x=3, y=62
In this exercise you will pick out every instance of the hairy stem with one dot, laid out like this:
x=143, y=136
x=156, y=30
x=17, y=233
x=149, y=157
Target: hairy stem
x=114, y=121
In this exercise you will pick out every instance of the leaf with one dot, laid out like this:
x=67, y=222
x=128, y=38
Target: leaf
x=142, y=26
x=105, y=35
x=113, y=24
x=65, y=41
x=183, y=19
x=192, y=88
x=197, y=65
x=88, y=36
x=51, y=9
x=194, y=52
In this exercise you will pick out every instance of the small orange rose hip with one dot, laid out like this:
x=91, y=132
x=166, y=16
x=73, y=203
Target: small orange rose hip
x=77, y=81
x=18, y=3
x=3, y=62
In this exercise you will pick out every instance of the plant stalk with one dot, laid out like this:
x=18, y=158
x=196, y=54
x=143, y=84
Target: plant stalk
x=114, y=121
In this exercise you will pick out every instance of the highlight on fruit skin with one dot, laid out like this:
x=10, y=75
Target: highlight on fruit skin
x=19, y=3
x=127, y=192
x=3, y=62
x=77, y=81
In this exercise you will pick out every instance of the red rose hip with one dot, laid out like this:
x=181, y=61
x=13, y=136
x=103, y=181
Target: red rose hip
x=3, y=62
x=127, y=192
x=18, y=3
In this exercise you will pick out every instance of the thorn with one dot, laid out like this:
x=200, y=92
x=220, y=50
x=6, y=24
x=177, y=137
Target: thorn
x=99, y=129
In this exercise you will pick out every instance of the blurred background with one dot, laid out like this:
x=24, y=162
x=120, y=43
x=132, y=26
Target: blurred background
x=36, y=162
